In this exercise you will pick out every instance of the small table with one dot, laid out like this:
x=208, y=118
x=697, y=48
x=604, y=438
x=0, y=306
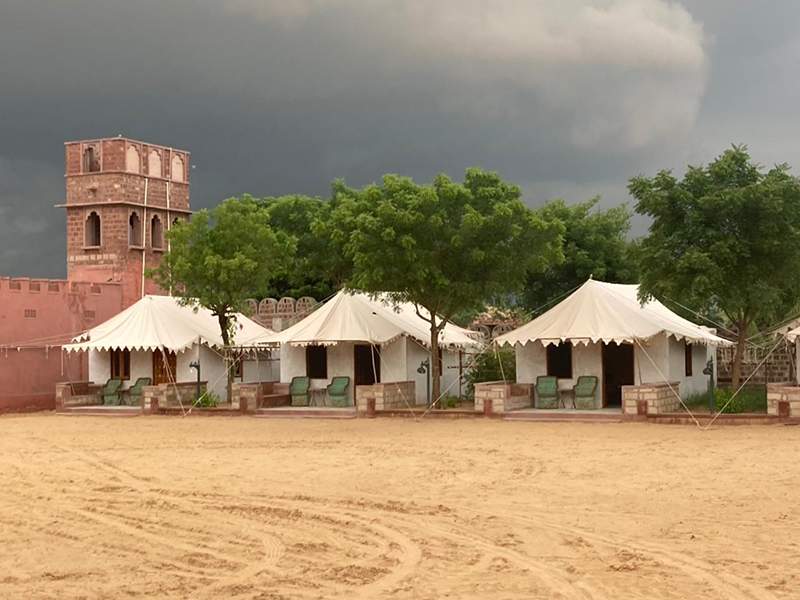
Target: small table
x=316, y=394
x=565, y=386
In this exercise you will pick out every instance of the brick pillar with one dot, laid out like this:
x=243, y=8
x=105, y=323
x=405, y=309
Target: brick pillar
x=784, y=410
x=63, y=391
x=487, y=407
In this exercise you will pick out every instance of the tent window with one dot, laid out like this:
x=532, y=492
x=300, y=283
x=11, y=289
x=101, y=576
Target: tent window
x=317, y=362
x=121, y=364
x=559, y=360
x=687, y=359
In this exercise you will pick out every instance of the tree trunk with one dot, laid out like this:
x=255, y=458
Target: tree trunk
x=223, y=326
x=736, y=369
x=436, y=384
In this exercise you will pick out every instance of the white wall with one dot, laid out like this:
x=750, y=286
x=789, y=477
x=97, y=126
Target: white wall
x=399, y=362
x=531, y=361
x=588, y=361
x=340, y=364
x=293, y=362
x=262, y=369
x=698, y=382
x=100, y=367
x=415, y=354
x=649, y=359
x=212, y=370
x=394, y=361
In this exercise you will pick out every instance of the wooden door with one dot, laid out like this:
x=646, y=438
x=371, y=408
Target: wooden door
x=367, y=363
x=164, y=371
x=617, y=371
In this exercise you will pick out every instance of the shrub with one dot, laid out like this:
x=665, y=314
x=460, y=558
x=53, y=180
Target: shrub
x=207, y=400
x=450, y=401
x=721, y=398
x=487, y=368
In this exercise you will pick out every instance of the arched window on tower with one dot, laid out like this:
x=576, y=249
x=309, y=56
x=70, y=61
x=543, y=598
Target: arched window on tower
x=177, y=168
x=92, y=230
x=156, y=233
x=135, y=230
x=132, y=160
x=154, y=164
x=91, y=160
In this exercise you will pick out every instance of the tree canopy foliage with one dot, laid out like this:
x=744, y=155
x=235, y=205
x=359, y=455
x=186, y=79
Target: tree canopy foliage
x=726, y=237
x=595, y=244
x=445, y=247
x=214, y=260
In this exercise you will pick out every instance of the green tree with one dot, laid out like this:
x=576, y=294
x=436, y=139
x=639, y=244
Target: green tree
x=446, y=247
x=726, y=238
x=595, y=244
x=308, y=273
x=319, y=267
x=214, y=260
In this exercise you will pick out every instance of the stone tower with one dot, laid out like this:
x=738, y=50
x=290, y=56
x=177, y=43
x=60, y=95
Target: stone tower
x=122, y=195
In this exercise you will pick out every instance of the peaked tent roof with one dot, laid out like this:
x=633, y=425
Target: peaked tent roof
x=160, y=322
x=355, y=317
x=793, y=334
x=607, y=312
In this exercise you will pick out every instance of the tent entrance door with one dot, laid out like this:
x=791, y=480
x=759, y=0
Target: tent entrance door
x=164, y=371
x=367, y=363
x=617, y=371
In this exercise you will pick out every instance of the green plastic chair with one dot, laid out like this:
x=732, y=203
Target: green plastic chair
x=111, y=392
x=547, y=391
x=299, y=391
x=584, y=392
x=337, y=391
x=135, y=392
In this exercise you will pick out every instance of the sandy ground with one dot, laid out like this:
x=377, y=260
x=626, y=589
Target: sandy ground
x=94, y=507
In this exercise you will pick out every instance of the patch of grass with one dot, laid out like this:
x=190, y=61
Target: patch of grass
x=207, y=400
x=749, y=400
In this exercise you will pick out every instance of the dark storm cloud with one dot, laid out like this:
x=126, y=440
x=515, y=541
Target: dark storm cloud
x=566, y=98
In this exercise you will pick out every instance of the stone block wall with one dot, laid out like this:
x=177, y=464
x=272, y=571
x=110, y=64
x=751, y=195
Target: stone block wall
x=169, y=395
x=501, y=397
x=79, y=393
x=778, y=366
x=650, y=399
x=387, y=396
x=248, y=397
x=783, y=400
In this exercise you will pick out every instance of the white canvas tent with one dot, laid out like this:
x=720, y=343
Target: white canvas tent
x=349, y=320
x=614, y=338
x=161, y=324
x=793, y=336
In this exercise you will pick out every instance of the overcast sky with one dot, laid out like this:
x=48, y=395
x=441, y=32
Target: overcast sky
x=566, y=98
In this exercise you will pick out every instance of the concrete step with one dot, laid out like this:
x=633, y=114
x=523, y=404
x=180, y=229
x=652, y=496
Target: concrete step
x=305, y=413
x=563, y=417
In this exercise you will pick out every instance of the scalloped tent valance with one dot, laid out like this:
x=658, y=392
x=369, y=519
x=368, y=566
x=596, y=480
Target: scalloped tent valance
x=355, y=317
x=607, y=312
x=161, y=323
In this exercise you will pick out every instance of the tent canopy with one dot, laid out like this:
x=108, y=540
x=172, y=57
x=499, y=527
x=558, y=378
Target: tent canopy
x=160, y=322
x=607, y=312
x=355, y=317
x=793, y=334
